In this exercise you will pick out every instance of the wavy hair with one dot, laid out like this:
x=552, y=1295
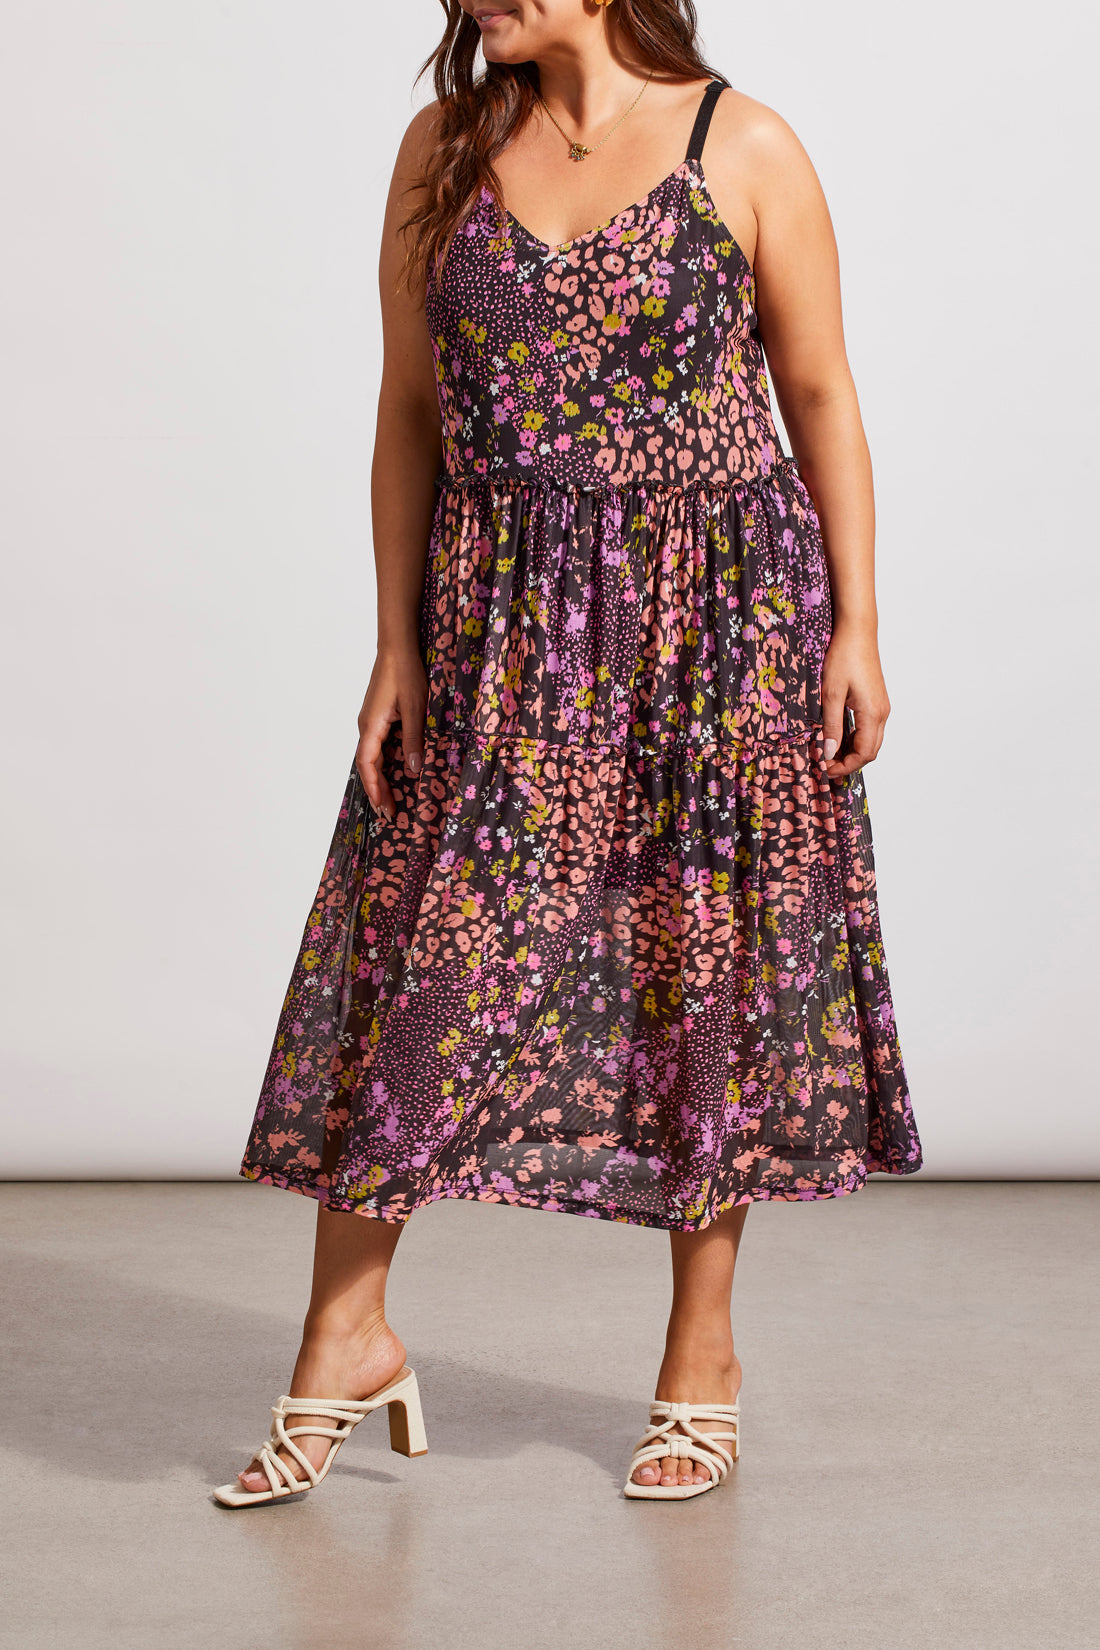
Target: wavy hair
x=480, y=114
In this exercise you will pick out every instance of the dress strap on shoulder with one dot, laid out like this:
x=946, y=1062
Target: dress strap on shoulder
x=702, y=120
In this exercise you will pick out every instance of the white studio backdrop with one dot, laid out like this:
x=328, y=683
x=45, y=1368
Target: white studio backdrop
x=192, y=196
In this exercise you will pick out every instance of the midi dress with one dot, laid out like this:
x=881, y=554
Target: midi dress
x=619, y=952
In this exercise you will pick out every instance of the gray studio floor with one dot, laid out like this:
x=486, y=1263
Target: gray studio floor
x=919, y=1459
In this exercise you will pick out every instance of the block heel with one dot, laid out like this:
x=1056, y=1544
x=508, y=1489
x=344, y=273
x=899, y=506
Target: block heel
x=407, y=1435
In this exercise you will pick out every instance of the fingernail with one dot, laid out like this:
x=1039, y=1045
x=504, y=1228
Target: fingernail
x=830, y=749
x=414, y=762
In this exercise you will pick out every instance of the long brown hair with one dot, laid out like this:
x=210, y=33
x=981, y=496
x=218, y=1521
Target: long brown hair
x=479, y=115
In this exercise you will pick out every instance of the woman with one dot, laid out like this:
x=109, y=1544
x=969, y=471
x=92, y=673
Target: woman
x=606, y=941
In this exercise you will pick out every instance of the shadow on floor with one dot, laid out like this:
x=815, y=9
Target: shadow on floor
x=123, y=1381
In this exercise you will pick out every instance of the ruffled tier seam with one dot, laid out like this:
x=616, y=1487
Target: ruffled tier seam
x=787, y=467
x=631, y=748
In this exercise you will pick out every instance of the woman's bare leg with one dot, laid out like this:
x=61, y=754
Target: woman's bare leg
x=700, y=1365
x=348, y=1349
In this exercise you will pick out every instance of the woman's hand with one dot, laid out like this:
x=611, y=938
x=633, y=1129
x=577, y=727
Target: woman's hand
x=397, y=691
x=852, y=675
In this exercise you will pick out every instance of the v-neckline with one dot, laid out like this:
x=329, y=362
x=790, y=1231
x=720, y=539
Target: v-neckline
x=643, y=201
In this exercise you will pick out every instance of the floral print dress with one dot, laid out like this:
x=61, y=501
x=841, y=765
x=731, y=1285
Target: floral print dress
x=619, y=952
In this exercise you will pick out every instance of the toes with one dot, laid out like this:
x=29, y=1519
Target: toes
x=255, y=1478
x=672, y=1469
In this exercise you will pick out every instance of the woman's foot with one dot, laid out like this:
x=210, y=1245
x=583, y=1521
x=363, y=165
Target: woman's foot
x=335, y=1361
x=697, y=1372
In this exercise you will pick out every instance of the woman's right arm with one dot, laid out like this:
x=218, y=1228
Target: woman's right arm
x=407, y=451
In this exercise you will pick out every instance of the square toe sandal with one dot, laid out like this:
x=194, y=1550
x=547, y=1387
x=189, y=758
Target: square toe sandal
x=407, y=1437
x=704, y=1447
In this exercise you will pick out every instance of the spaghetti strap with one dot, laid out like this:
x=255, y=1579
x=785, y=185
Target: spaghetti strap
x=702, y=120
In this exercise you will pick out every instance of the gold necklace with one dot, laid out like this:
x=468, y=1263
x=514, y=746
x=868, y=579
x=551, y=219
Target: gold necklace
x=577, y=151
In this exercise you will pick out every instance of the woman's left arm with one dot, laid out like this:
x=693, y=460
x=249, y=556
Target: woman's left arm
x=799, y=310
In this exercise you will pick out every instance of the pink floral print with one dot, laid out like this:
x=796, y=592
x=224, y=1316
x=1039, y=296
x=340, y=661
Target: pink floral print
x=619, y=953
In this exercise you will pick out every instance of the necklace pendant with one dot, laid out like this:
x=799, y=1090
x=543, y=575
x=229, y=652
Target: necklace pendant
x=577, y=151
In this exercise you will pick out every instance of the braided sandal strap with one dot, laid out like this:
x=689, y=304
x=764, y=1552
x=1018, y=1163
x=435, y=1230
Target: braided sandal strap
x=283, y=1481
x=659, y=1440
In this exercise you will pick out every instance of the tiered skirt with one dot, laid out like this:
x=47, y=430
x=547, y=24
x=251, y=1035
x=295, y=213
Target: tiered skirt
x=619, y=952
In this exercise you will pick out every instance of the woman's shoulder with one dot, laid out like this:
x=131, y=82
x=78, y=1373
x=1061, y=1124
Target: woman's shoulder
x=410, y=163
x=419, y=135
x=743, y=128
x=753, y=154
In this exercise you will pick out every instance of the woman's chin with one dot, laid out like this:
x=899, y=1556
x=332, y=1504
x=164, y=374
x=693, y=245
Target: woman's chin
x=503, y=51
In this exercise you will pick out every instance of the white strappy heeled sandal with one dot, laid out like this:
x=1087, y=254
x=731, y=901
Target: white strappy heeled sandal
x=693, y=1442
x=407, y=1437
